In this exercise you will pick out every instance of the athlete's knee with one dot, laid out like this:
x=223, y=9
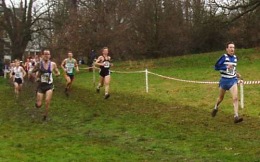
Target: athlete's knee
x=235, y=99
x=68, y=81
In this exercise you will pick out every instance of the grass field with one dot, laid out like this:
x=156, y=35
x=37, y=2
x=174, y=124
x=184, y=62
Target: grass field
x=170, y=123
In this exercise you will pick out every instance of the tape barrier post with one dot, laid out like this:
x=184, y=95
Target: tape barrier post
x=242, y=94
x=146, y=80
x=5, y=71
x=94, y=74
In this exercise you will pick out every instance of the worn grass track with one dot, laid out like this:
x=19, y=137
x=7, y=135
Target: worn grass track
x=170, y=123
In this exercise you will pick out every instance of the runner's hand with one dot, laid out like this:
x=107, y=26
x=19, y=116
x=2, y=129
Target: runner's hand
x=229, y=66
x=239, y=76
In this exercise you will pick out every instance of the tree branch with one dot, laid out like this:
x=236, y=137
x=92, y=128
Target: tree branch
x=246, y=8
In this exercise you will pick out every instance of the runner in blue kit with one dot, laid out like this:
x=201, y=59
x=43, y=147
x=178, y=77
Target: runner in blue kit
x=104, y=62
x=45, y=68
x=69, y=65
x=226, y=65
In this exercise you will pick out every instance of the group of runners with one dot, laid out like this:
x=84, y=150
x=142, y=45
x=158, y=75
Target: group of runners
x=42, y=71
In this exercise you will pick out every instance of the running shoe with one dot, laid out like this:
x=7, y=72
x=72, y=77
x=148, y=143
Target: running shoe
x=66, y=92
x=44, y=118
x=214, y=112
x=37, y=106
x=237, y=119
x=107, y=96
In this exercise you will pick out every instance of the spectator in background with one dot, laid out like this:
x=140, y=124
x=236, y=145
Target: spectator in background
x=91, y=59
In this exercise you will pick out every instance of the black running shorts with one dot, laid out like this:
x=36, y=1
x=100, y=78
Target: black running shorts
x=104, y=73
x=18, y=80
x=44, y=87
x=71, y=77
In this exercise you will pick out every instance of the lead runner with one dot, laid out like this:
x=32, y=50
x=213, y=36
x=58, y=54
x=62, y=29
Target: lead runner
x=226, y=65
x=45, y=68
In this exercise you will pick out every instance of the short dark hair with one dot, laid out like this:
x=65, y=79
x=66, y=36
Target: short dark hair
x=228, y=43
x=104, y=48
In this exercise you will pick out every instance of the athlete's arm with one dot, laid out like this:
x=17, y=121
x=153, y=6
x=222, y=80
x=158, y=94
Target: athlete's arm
x=26, y=65
x=76, y=65
x=111, y=64
x=100, y=59
x=23, y=71
x=36, y=68
x=239, y=76
x=55, y=69
x=220, y=64
x=63, y=65
x=11, y=73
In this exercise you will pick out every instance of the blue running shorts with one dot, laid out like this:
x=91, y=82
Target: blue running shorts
x=227, y=83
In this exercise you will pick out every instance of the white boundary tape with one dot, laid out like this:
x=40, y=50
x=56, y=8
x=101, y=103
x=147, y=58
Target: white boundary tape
x=127, y=72
x=182, y=80
x=88, y=68
x=251, y=82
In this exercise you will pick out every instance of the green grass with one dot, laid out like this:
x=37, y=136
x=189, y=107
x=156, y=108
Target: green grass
x=170, y=123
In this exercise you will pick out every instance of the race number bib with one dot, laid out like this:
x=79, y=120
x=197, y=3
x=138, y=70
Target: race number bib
x=45, y=78
x=69, y=70
x=231, y=71
x=106, y=64
x=17, y=75
x=70, y=67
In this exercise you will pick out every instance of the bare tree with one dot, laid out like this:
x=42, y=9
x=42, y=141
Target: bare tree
x=18, y=22
x=145, y=28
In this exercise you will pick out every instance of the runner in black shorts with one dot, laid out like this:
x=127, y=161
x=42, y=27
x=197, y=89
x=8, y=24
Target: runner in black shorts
x=17, y=74
x=45, y=68
x=104, y=62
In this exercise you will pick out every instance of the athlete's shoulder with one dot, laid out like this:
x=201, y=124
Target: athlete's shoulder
x=53, y=63
x=65, y=60
x=100, y=58
x=221, y=59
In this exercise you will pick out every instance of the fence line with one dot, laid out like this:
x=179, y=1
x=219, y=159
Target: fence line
x=241, y=82
x=182, y=80
x=127, y=72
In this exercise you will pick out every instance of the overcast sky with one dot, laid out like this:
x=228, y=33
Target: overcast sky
x=17, y=2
